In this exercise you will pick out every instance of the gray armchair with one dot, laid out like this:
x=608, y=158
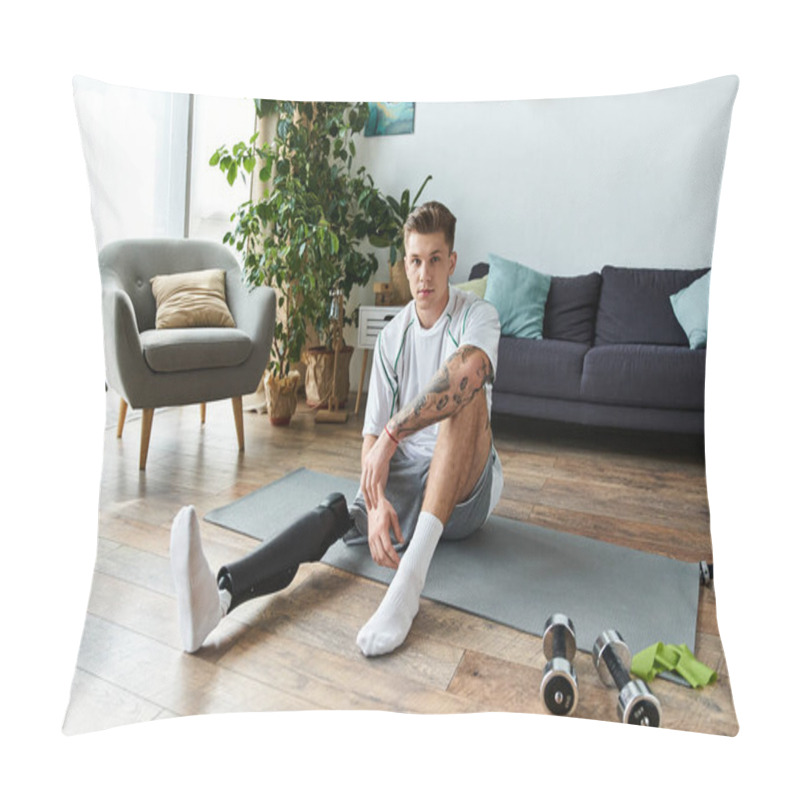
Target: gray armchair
x=153, y=368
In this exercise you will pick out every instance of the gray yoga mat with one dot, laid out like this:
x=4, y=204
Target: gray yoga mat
x=509, y=572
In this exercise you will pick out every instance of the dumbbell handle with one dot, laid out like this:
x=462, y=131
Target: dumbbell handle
x=559, y=637
x=559, y=642
x=615, y=667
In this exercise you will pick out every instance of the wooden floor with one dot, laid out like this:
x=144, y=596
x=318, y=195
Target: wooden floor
x=297, y=649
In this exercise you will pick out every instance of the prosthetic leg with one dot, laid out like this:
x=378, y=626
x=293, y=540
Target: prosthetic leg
x=204, y=601
x=272, y=566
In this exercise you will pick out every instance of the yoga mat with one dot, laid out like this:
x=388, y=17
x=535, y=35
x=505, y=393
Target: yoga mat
x=510, y=572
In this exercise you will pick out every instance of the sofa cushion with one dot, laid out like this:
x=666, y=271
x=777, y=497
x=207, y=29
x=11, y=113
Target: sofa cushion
x=651, y=376
x=519, y=294
x=635, y=308
x=691, y=310
x=475, y=285
x=479, y=270
x=572, y=307
x=192, y=300
x=178, y=349
x=542, y=368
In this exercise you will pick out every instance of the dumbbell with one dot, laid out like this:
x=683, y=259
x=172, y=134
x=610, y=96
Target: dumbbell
x=559, y=689
x=636, y=704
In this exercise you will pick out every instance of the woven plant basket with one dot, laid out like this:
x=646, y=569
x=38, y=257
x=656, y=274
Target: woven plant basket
x=319, y=376
x=281, y=397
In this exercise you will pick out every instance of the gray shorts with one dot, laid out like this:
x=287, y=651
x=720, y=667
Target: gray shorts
x=405, y=490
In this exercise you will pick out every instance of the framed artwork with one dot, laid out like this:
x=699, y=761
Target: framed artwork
x=389, y=119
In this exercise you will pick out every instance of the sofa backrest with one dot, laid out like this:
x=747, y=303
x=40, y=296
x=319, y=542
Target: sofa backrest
x=634, y=305
x=571, y=308
x=621, y=305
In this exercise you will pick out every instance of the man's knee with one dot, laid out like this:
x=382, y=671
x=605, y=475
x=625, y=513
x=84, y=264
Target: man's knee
x=473, y=417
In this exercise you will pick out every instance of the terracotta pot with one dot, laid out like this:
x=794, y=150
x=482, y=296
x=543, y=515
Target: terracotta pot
x=281, y=397
x=319, y=376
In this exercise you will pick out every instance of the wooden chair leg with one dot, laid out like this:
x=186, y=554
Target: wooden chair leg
x=147, y=425
x=238, y=418
x=202, y=413
x=123, y=411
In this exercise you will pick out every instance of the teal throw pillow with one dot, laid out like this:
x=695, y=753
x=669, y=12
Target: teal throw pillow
x=690, y=306
x=476, y=286
x=519, y=294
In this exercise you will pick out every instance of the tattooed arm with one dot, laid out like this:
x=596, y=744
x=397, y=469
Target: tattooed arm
x=463, y=375
x=456, y=383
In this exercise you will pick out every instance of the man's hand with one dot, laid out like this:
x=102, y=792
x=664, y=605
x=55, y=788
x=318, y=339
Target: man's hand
x=381, y=520
x=375, y=457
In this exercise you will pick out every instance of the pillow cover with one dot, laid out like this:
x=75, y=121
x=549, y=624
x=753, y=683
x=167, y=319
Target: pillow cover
x=588, y=181
x=477, y=286
x=192, y=300
x=519, y=294
x=691, y=310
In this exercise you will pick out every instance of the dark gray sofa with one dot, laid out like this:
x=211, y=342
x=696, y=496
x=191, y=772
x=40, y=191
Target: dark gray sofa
x=612, y=355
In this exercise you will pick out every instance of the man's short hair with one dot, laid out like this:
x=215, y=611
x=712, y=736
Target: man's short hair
x=431, y=217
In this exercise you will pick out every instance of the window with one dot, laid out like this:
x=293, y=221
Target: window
x=134, y=144
x=148, y=171
x=216, y=121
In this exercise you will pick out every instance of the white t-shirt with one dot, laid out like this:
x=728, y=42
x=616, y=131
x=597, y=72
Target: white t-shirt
x=407, y=356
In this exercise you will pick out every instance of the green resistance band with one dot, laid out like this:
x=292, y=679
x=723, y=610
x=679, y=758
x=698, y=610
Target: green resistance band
x=675, y=658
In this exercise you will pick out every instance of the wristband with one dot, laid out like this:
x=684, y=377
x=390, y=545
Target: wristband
x=386, y=428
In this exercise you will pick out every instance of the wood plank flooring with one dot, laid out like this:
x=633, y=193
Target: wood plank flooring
x=296, y=649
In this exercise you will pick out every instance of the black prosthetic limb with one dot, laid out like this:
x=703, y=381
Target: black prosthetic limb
x=272, y=566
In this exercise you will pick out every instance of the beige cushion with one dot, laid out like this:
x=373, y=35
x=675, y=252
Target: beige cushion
x=192, y=300
x=476, y=286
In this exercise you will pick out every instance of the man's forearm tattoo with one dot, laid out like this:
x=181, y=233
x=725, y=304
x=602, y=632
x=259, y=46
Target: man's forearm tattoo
x=461, y=377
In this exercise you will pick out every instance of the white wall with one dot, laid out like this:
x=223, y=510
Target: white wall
x=567, y=186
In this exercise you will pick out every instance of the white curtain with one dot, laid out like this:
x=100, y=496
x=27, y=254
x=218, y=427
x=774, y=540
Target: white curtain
x=148, y=170
x=135, y=147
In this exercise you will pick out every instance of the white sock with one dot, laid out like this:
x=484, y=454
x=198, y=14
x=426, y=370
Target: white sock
x=389, y=625
x=200, y=606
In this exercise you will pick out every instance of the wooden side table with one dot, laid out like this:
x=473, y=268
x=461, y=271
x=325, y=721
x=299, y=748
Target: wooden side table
x=371, y=321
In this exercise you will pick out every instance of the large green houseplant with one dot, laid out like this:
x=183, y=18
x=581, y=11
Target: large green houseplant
x=302, y=234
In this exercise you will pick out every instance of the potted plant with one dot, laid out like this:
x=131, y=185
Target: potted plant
x=302, y=236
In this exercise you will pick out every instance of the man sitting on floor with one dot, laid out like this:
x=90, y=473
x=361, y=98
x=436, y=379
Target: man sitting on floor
x=428, y=466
